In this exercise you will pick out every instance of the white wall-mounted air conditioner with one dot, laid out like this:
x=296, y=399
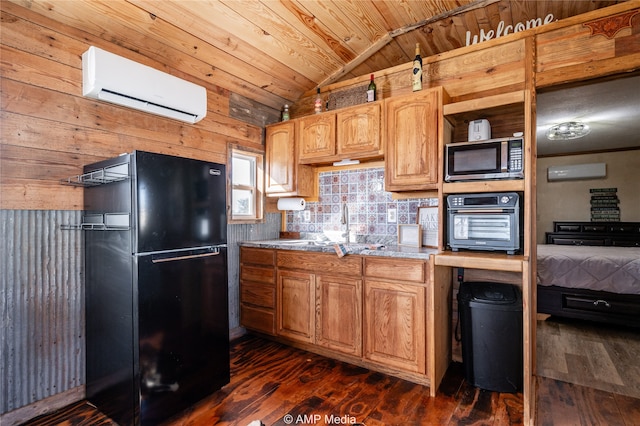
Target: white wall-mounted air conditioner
x=577, y=171
x=121, y=81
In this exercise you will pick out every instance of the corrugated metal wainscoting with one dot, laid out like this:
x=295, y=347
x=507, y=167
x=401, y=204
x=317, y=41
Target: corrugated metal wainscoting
x=42, y=299
x=236, y=234
x=42, y=305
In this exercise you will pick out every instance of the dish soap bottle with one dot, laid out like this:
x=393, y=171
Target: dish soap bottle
x=416, y=77
x=317, y=106
x=371, y=90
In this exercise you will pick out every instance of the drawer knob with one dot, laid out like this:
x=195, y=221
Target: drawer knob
x=602, y=302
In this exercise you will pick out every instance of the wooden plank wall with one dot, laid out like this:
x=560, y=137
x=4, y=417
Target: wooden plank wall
x=596, y=47
x=566, y=51
x=49, y=131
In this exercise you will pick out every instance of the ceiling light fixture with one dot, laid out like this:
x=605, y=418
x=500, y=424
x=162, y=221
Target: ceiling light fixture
x=568, y=130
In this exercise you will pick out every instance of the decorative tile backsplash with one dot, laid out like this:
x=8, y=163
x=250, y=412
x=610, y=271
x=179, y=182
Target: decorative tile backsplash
x=370, y=207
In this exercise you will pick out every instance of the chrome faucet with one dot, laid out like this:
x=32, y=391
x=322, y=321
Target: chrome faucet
x=345, y=221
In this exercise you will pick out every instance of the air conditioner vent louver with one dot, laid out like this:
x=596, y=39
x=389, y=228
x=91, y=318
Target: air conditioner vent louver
x=118, y=80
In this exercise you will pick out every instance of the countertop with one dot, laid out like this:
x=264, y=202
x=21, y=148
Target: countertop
x=362, y=249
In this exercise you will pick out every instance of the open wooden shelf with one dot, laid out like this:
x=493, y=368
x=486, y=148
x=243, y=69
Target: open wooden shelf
x=481, y=260
x=483, y=186
x=487, y=102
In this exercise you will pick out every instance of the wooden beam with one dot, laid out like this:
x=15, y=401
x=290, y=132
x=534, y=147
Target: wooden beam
x=453, y=12
x=388, y=38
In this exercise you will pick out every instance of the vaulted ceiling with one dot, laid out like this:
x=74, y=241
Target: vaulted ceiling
x=273, y=51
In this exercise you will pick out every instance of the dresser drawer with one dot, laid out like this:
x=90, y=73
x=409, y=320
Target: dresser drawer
x=600, y=304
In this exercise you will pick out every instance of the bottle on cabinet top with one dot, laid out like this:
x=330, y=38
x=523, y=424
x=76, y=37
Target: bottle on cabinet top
x=416, y=76
x=371, y=90
x=285, y=113
x=317, y=106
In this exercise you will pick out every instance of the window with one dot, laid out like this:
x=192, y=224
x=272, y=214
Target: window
x=246, y=186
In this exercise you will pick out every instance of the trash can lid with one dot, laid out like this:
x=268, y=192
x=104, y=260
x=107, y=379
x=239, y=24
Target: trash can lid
x=495, y=293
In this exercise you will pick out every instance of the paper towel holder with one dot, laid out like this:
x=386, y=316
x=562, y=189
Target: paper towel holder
x=292, y=204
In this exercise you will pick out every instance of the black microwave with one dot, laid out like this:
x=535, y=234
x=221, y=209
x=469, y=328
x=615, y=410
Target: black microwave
x=489, y=159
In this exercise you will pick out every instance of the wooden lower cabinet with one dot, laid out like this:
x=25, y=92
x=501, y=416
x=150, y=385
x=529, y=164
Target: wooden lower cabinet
x=395, y=305
x=258, y=290
x=395, y=325
x=296, y=294
x=339, y=313
x=368, y=310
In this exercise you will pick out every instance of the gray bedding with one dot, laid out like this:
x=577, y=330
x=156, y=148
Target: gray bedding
x=613, y=269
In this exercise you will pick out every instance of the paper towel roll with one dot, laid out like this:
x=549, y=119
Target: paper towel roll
x=291, y=204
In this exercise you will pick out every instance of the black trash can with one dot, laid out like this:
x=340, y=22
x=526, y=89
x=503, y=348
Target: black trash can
x=491, y=330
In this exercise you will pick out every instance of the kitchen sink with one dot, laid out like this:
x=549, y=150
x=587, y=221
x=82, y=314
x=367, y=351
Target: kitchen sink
x=309, y=243
x=352, y=248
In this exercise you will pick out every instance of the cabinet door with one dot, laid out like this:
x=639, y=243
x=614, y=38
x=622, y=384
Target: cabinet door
x=280, y=155
x=296, y=292
x=412, y=141
x=283, y=175
x=316, y=137
x=395, y=325
x=339, y=314
x=358, y=132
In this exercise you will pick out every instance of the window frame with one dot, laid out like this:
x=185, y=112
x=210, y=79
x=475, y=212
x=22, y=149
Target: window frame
x=257, y=187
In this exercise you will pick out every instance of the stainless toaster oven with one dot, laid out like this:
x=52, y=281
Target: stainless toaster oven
x=486, y=221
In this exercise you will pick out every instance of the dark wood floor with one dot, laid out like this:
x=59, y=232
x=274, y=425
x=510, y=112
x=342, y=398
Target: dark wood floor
x=270, y=381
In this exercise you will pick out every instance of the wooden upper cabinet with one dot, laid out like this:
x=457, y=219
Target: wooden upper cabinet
x=358, y=131
x=317, y=137
x=283, y=175
x=349, y=133
x=412, y=141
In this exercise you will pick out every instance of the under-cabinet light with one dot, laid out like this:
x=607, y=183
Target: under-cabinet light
x=346, y=162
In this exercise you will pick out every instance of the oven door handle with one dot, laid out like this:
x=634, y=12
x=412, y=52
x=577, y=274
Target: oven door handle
x=492, y=211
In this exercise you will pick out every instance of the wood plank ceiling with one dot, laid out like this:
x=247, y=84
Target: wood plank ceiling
x=275, y=51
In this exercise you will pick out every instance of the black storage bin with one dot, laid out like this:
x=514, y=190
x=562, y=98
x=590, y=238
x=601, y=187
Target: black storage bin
x=491, y=328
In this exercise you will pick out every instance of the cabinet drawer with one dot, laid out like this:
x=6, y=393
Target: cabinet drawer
x=257, y=256
x=320, y=262
x=258, y=319
x=395, y=269
x=258, y=294
x=259, y=274
x=594, y=304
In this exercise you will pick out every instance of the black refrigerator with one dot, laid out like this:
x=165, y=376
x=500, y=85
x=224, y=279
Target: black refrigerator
x=157, y=327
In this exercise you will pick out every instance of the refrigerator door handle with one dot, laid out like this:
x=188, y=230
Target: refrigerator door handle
x=186, y=257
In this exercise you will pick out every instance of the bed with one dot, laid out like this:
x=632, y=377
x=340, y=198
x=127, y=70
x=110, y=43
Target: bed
x=591, y=270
